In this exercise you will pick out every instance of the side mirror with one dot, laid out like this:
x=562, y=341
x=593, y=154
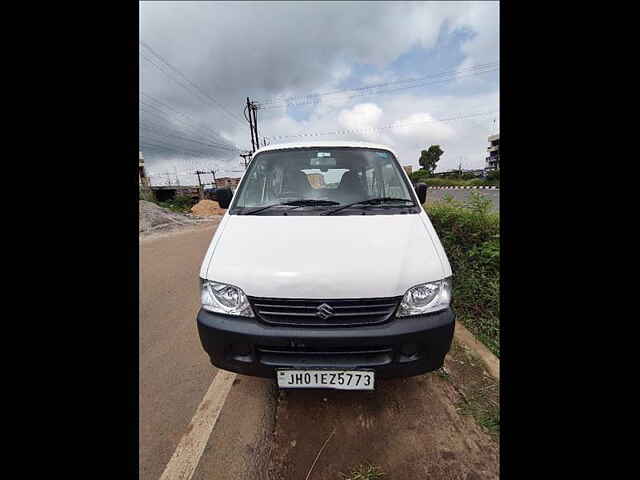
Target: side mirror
x=224, y=196
x=421, y=191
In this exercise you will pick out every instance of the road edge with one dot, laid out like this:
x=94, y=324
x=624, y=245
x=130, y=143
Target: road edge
x=464, y=336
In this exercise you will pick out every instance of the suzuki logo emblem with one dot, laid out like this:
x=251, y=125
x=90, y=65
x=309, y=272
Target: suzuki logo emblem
x=325, y=311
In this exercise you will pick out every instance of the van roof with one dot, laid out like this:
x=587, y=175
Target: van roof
x=327, y=143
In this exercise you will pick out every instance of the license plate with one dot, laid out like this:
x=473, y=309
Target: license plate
x=338, y=379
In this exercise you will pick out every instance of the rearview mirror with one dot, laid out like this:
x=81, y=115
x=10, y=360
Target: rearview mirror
x=421, y=191
x=224, y=196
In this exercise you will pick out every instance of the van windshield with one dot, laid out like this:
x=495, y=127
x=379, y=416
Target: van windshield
x=315, y=179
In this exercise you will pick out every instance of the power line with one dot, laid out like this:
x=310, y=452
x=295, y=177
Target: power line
x=190, y=128
x=383, y=92
x=195, y=135
x=393, y=82
x=192, y=88
x=215, y=147
x=173, y=78
x=178, y=149
x=196, y=87
x=373, y=129
x=166, y=124
x=450, y=74
x=182, y=114
x=339, y=106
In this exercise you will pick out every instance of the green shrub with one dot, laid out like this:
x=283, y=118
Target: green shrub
x=180, y=203
x=493, y=175
x=183, y=202
x=470, y=234
x=419, y=175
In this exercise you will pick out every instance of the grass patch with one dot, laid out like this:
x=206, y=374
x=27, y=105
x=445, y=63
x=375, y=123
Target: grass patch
x=180, y=204
x=470, y=235
x=488, y=417
x=364, y=472
x=479, y=392
x=482, y=404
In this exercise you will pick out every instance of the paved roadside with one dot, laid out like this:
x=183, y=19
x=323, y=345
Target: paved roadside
x=174, y=372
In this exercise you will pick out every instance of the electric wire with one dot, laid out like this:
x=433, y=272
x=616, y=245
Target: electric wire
x=190, y=82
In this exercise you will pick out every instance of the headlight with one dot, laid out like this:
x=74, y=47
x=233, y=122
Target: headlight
x=426, y=298
x=223, y=298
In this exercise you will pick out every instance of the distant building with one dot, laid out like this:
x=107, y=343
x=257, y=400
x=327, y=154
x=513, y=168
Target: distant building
x=493, y=160
x=227, y=182
x=408, y=169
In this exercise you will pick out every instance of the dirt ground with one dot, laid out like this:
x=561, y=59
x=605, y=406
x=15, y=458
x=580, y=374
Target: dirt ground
x=419, y=427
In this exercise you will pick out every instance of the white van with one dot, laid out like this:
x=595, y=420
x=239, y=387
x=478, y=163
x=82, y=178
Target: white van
x=325, y=271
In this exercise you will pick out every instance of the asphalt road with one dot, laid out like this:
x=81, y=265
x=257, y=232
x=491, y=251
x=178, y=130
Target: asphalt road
x=409, y=427
x=463, y=195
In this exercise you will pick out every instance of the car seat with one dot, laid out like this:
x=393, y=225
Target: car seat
x=296, y=183
x=351, y=188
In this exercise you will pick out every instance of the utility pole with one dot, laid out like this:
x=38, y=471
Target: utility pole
x=254, y=108
x=251, y=116
x=215, y=184
x=200, y=189
x=247, y=111
x=245, y=155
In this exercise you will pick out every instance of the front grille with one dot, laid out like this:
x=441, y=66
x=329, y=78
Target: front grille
x=346, y=357
x=305, y=313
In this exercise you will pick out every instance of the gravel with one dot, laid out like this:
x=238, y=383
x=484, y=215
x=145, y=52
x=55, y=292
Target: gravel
x=153, y=217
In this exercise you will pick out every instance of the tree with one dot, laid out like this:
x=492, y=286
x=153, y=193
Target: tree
x=429, y=158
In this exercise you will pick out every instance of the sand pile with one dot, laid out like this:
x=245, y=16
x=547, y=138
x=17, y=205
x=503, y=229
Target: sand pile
x=207, y=208
x=153, y=217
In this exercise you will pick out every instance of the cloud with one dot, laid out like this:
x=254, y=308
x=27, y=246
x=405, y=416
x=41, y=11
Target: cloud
x=361, y=116
x=424, y=127
x=265, y=50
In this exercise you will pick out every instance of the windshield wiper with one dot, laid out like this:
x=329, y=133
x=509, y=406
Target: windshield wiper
x=371, y=201
x=296, y=204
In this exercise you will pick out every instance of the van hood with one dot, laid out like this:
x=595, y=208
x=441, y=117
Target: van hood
x=324, y=257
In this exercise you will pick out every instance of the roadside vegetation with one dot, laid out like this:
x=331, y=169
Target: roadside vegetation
x=145, y=195
x=455, y=180
x=180, y=204
x=478, y=392
x=470, y=234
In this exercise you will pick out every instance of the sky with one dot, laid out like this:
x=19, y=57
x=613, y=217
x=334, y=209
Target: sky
x=404, y=74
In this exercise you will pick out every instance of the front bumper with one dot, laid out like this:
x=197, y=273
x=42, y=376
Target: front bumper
x=401, y=347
